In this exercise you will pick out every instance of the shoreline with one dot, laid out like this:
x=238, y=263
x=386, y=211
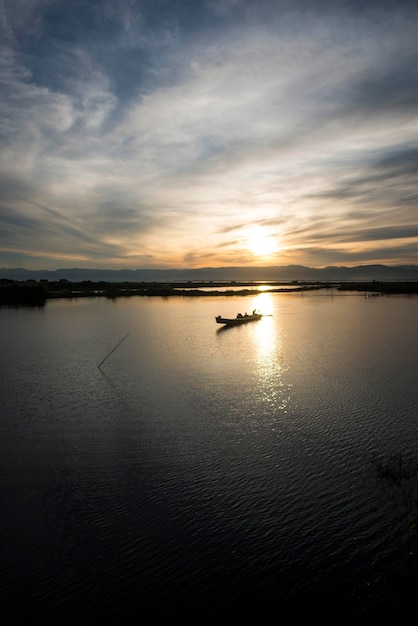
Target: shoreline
x=39, y=292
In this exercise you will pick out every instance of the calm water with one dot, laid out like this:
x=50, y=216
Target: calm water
x=205, y=473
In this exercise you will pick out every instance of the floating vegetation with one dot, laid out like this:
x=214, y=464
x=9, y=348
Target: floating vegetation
x=401, y=476
x=396, y=470
x=395, y=589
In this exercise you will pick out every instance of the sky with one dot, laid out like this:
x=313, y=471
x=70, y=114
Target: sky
x=208, y=133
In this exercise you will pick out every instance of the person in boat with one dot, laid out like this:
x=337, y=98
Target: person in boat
x=239, y=315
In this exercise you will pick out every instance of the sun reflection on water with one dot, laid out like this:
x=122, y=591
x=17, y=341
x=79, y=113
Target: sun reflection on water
x=263, y=302
x=263, y=288
x=273, y=390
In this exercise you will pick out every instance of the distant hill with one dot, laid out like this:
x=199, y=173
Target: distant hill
x=269, y=273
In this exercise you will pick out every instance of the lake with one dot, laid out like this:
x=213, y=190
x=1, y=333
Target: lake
x=202, y=473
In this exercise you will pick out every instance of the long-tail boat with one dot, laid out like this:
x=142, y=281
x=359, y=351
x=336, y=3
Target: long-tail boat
x=239, y=319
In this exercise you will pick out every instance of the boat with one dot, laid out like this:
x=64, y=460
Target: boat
x=239, y=319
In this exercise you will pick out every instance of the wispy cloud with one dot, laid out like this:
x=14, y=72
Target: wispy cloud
x=156, y=133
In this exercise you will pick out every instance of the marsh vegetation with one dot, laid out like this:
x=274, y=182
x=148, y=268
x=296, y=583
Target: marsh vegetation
x=33, y=292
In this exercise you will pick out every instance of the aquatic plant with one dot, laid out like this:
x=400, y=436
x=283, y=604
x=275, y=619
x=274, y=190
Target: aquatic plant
x=396, y=470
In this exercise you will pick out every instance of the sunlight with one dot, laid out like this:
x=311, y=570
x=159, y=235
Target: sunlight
x=264, y=287
x=261, y=243
x=266, y=340
x=264, y=303
x=274, y=392
x=265, y=332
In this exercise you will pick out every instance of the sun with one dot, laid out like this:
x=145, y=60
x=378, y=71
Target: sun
x=261, y=243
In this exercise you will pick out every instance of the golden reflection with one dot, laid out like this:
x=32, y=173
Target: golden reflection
x=264, y=287
x=264, y=303
x=266, y=341
x=273, y=388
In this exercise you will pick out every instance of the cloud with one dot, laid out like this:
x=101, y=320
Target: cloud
x=157, y=132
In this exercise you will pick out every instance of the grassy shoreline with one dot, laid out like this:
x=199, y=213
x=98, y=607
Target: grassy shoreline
x=36, y=293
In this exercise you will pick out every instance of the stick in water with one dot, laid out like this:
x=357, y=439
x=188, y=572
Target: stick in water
x=117, y=345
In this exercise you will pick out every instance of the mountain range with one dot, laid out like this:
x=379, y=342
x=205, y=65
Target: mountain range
x=239, y=274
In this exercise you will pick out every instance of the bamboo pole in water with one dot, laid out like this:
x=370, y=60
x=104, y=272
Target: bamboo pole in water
x=117, y=345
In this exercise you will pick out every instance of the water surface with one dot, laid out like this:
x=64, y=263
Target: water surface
x=201, y=472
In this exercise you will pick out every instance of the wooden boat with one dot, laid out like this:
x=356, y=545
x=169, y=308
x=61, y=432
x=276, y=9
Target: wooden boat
x=239, y=319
